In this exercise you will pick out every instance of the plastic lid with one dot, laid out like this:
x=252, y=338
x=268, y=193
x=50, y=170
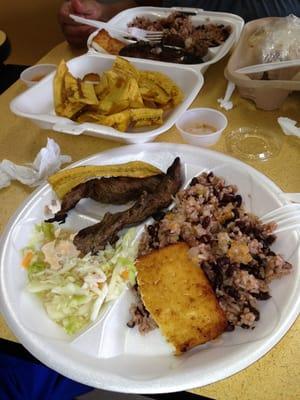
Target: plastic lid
x=253, y=143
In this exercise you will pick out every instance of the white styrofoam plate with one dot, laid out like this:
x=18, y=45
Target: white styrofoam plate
x=111, y=356
x=215, y=54
x=36, y=103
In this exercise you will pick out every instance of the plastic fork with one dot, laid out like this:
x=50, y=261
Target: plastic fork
x=286, y=217
x=137, y=33
x=142, y=34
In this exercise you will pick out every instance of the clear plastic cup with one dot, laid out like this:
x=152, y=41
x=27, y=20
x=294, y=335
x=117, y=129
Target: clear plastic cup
x=201, y=126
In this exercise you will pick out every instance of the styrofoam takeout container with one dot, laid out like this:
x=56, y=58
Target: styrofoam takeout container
x=37, y=104
x=267, y=94
x=207, y=116
x=200, y=16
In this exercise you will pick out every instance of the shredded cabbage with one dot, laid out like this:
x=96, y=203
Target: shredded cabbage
x=73, y=289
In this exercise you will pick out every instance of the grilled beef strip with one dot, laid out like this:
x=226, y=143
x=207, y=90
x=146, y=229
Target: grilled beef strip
x=115, y=190
x=95, y=237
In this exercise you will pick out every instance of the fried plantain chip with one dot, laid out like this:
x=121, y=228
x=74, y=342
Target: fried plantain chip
x=91, y=77
x=124, y=67
x=116, y=98
x=58, y=86
x=88, y=93
x=119, y=121
x=165, y=83
x=150, y=91
x=71, y=87
x=69, y=110
x=134, y=94
x=102, y=88
x=146, y=117
x=63, y=181
x=120, y=93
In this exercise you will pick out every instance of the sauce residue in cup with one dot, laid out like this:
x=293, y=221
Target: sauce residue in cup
x=37, y=78
x=199, y=128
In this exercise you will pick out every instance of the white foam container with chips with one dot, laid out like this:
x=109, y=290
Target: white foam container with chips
x=37, y=103
x=198, y=17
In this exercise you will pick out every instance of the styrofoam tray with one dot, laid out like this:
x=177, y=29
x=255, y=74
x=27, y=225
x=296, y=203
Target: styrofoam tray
x=201, y=17
x=36, y=103
x=111, y=356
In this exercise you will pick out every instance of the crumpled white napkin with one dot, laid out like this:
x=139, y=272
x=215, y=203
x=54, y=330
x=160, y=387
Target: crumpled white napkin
x=47, y=161
x=289, y=126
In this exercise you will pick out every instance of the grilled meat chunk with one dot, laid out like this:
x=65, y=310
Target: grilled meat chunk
x=116, y=190
x=95, y=237
x=162, y=52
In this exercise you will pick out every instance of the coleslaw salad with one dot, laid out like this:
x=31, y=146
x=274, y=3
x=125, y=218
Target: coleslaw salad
x=73, y=288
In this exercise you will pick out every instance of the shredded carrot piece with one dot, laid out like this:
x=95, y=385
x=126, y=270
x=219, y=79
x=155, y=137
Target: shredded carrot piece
x=27, y=259
x=125, y=275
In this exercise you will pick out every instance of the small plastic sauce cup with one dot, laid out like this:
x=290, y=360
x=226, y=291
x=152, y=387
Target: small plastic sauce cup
x=32, y=75
x=201, y=126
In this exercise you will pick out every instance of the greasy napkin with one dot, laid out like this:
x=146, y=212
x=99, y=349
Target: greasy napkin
x=47, y=161
x=289, y=126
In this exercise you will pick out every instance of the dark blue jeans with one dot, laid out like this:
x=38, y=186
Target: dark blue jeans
x=22, y=377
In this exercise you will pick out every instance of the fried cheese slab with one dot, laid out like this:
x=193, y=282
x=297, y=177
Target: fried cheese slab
x=108, y=43
x=177, y=294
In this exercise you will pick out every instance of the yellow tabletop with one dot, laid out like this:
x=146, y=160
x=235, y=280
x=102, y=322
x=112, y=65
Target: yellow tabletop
x=275, y=376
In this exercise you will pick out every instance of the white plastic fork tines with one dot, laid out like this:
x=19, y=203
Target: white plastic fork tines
x=142, y=34
x=286, y=217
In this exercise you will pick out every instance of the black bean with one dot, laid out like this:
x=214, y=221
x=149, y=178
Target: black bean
x=227, y=198
x=205, y=239
x=218, y=280
x=229, y=272
x=270, y=239
x=230, y=327
x=261, y=295
x=216, y=193
x=205, y=222
x=256, y=258
x=236, y=213
x=251, y=269
x=222, y=261
x=244, y=326
x=151, y=230
x=227, y=222
x=159, y=215
x=255, y=312
x=238, y=200
x=130, y=324
x=232, y=292
x=263, y=263
x=209, y=176
x=241, y=224
x=256, y=232
x=194, y=182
